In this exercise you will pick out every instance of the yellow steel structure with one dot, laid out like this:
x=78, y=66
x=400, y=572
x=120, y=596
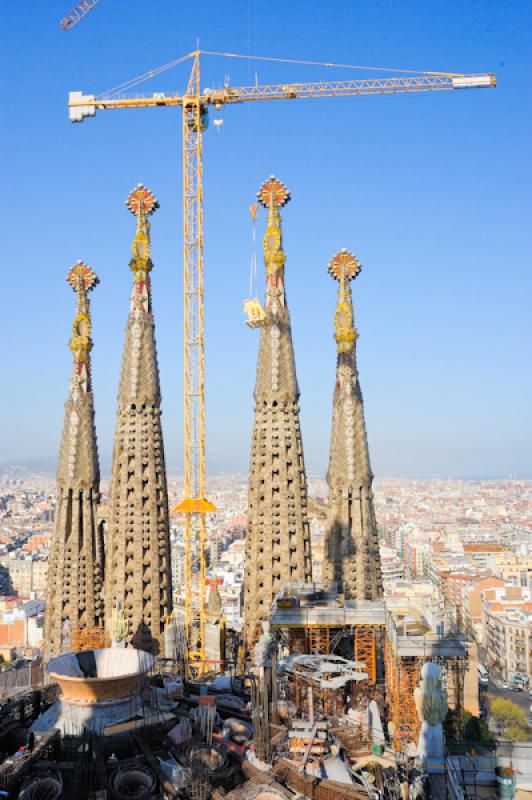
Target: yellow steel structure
x=402, y=677
x=365, y=650
x=194, y=104
x=194, y=505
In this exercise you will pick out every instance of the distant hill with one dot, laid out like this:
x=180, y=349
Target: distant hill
x=30, y=465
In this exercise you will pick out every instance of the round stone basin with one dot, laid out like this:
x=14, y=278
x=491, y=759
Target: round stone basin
x=95, y=676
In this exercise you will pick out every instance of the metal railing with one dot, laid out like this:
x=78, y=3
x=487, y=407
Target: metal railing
x=14, y=681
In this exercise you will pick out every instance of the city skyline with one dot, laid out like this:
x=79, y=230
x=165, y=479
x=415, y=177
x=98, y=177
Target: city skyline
x=441, y=303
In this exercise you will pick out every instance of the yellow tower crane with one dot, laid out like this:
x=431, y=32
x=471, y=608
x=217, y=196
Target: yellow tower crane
x=194, y=104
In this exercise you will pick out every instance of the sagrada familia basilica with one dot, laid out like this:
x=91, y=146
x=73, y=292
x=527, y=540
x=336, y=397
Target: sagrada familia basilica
x=123, y=562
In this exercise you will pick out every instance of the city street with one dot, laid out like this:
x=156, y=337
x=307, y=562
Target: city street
x=520, y=698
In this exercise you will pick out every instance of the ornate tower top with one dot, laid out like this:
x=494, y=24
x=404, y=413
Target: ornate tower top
x=82, y=279
x=76, y=563
x=142, y=203
x=273, y=195
x=351, y=541
x=138, y=587
x=344, y=267
x=278, y=540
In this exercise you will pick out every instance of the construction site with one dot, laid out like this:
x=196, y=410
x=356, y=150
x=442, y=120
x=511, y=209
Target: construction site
x=327, y=693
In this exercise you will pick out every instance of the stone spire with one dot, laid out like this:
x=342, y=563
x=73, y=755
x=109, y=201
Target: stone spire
x=351, y=549
x=75, y=568
x=278, y=538
x=138, y=538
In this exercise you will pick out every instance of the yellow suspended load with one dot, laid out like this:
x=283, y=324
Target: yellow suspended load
x=252, y=306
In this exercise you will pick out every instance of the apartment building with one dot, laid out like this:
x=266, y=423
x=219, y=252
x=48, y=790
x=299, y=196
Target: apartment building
x=513, y=567
x=507, y=631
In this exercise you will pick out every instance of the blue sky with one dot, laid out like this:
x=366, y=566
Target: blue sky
x=432, y=192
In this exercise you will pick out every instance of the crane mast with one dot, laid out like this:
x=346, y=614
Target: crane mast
x=194, y=504
x=194, y=103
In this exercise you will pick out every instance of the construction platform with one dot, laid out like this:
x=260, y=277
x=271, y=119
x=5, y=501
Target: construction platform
x=312, y=606
x=391, y=646
x=320, y=614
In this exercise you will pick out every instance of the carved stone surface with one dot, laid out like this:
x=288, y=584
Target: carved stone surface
x=351, y=548
x=76, y=564
x=278, y=537
x=138, y=538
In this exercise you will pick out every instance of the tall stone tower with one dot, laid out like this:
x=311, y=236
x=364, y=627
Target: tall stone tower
x=351, y=549
x=138, y=539
x=278, y=537
x=76, y=565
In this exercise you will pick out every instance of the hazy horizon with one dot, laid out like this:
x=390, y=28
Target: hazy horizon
x=46, y=466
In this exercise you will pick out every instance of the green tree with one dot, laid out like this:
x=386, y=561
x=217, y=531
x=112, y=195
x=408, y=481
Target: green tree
x=507, y=713
x=512, y=719
x=453, y=725
x=476, y=730
x=463, y=726
x=519, y=733
x=6, y=587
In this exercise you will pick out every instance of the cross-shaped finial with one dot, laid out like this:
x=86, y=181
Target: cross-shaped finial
x=81, y=272
x=273, y=192
x=344, y=264
x=141, y=200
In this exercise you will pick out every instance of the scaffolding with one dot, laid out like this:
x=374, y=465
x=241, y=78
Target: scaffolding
x=402, y=677
x=311, y=621
x=362, y=644
x=319, y=641
x=405, y=654
x=365, y=649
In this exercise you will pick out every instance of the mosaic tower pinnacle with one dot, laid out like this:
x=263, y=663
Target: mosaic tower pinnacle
x=75, y=568
x=278, y=538
x=351, y=550
x=138, y=540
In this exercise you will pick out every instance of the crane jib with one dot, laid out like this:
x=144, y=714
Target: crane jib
x=81, y=106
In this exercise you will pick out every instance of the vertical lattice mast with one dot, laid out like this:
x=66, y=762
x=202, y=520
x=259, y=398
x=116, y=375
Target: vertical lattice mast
x=194, y=505
x=278, y=539
x=352, y=551
x=75, y=571
x=138, y=541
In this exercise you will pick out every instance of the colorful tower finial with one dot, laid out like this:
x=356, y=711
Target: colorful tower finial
x=138, y=590
x=278, y=541
x=344, y=267
x=142, y=203
x=74, y=604
x=82, y=274
x=82, y=279
x=351, y=557
x=273, y=195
